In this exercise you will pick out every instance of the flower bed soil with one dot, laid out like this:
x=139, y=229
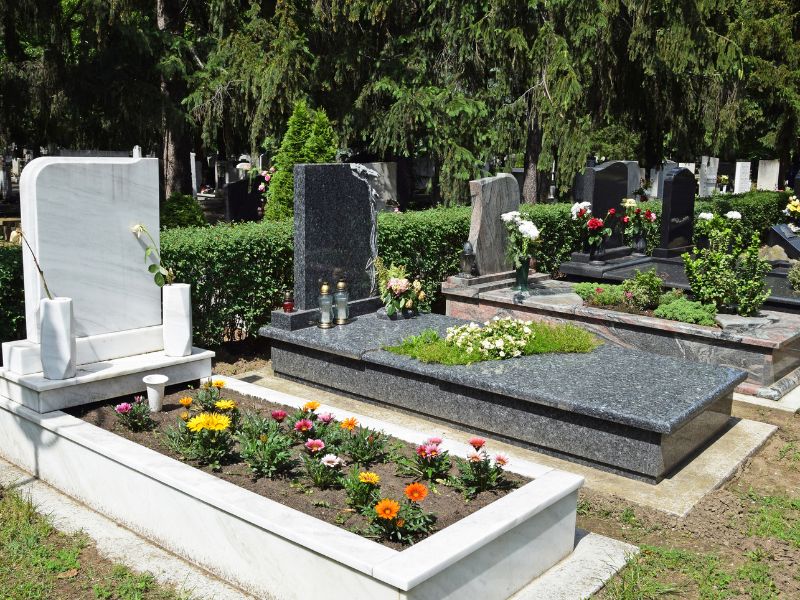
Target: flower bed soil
x=296, y=490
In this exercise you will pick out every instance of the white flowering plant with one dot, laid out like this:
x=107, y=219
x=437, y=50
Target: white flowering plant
x=502, y=337
x=521, y=236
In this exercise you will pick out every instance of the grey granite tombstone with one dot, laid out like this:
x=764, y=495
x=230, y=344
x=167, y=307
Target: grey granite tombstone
x=677, y=213
x=519, y=175
x=491, y=197
x=335, y=230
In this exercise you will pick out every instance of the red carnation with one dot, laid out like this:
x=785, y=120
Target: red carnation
x=647, y=214
x=612, y=212
x=581, y=212
x=594, y=224
x=638, y=211
x=626, y=219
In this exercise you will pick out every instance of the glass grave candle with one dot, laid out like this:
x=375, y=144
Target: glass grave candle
x=341, y=300
x=325, y=306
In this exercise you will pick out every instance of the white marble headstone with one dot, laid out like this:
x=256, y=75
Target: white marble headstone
x=77, y=214
x=741, y=181
x=708, y=175
x=691, y=166
x=768, y=171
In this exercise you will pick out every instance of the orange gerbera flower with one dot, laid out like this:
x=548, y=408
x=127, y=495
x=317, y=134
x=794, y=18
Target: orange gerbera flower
x=416, y=492
x=387, y=509
x=218, y=383
x=310, y=406
x=187, y=401
x=349, y=423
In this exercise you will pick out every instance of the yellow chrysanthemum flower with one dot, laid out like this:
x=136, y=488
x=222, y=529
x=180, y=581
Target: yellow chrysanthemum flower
x=211, y=421
x=369, y=477
x=310, y=406
x=225, y=404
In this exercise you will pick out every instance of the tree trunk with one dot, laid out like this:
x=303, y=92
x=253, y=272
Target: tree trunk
x=176, y=140
x=533, y=185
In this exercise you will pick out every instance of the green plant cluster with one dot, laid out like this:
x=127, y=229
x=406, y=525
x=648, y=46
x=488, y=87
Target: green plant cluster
x=309, y=138
x=728, y=272
x=12, y=293
x=544, y=338
x=794, y=276
x=643, y=290
x=599, y=293
x=760, y=210
x=679, y=308
x=181, y=210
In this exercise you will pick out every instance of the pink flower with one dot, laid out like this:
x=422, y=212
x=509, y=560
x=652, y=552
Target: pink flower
x=314, y=446
x=303, y=425
x=474, y=457
x=629, y=295
x=279, y=415
x=267, y=177
x=262, y=187
x=428, y=450
x=264, y=173
x=501, y=460
x=477, y=442
x=124, y=408
x=331, y=460
x=138, y=398
x=434, y=440
x=326, y=418
x=398, y=286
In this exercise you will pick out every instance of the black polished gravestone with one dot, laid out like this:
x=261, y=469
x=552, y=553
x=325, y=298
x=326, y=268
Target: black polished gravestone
x=677, y=213
x=781, y=235
x=605, y=186
x=242, y=200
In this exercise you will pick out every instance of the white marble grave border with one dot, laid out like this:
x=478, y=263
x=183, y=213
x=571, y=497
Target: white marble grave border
x=272, y=550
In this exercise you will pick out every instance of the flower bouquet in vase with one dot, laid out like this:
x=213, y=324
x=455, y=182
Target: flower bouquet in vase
x=792, y=211
x=521, y=236
x=637, y=223
x=597, y=232
x=402, y=298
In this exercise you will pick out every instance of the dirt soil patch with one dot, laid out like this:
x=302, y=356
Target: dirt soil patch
x=740, y=541
x=296, y=490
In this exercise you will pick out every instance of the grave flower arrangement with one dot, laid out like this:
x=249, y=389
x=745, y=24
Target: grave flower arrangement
x=397, y=291
x=792, y=211
x=479, y=472
x=403, y=522
x=521, y=236
x=162, y=275
x=637, y=223
x=502, y=337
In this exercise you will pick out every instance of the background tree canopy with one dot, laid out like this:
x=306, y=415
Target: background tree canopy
x=464, y=83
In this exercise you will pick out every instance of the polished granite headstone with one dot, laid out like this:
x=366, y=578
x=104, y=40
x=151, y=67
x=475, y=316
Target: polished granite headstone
x=677, y=213
x=642, y=425
x=491, y=197
x=787, y=239
x=335, y=230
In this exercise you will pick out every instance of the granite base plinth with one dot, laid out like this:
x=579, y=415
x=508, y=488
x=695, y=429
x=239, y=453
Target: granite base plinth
x=309, y=318
x=633, y=426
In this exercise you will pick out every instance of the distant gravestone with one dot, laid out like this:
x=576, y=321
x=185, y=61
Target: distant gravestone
x=688, y=165
x=677, y=213
x=708, y=175
x=491, y=197
x=768, y=171
x=741, y=180
x=242, y=200
x=335, y=230
x=796, y=186
x=385, y=184
x=657, y=178
x=605, y=186
x=194, y=168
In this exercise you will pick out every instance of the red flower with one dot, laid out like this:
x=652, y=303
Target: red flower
x=598, y=290
x=581, y=212
x=477, y=442
x=638, y=211
x=626, y=219
x=647, y=214
x=612, y=212
x=594, y=224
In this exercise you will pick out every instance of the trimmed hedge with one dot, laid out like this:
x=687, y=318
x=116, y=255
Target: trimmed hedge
x=181, y=210
x=239, y=272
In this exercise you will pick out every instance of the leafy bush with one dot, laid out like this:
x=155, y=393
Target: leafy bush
x=794, y=276
x=760, y=210
x=181, y=210
x=728, y=273
x=670, y=296
x=680, y=309
x=12, y=294
x=642, y=292
x=309, y=138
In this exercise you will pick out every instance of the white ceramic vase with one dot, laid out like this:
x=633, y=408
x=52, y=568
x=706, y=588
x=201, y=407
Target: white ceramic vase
x=155, y=391
x=177, y=319
x=57, y=338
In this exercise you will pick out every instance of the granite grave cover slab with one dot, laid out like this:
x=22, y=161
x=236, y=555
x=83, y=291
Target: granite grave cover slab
x=635, y=413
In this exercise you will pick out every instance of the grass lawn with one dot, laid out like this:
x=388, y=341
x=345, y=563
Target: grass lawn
x=38, y=562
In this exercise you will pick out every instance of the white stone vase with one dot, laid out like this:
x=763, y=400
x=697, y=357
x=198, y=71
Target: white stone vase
x=155, y=391
x=57, y=338
x=177, y=319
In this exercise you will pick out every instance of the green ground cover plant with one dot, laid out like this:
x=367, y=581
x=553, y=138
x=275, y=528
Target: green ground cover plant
x=540, y=338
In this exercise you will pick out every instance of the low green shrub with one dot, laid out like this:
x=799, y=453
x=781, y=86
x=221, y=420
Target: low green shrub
x=643, y=290
x=181, y=210
x=760, y=210
x=600, y=294
x=687, y=311
x=728, y=273
x=12, y=294
x=794, y=276
x=670, y=296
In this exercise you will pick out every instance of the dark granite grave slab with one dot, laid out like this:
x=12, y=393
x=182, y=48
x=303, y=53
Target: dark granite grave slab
x=677, y=213
x=309, y=318
x=642, y=425
x=335, y=230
